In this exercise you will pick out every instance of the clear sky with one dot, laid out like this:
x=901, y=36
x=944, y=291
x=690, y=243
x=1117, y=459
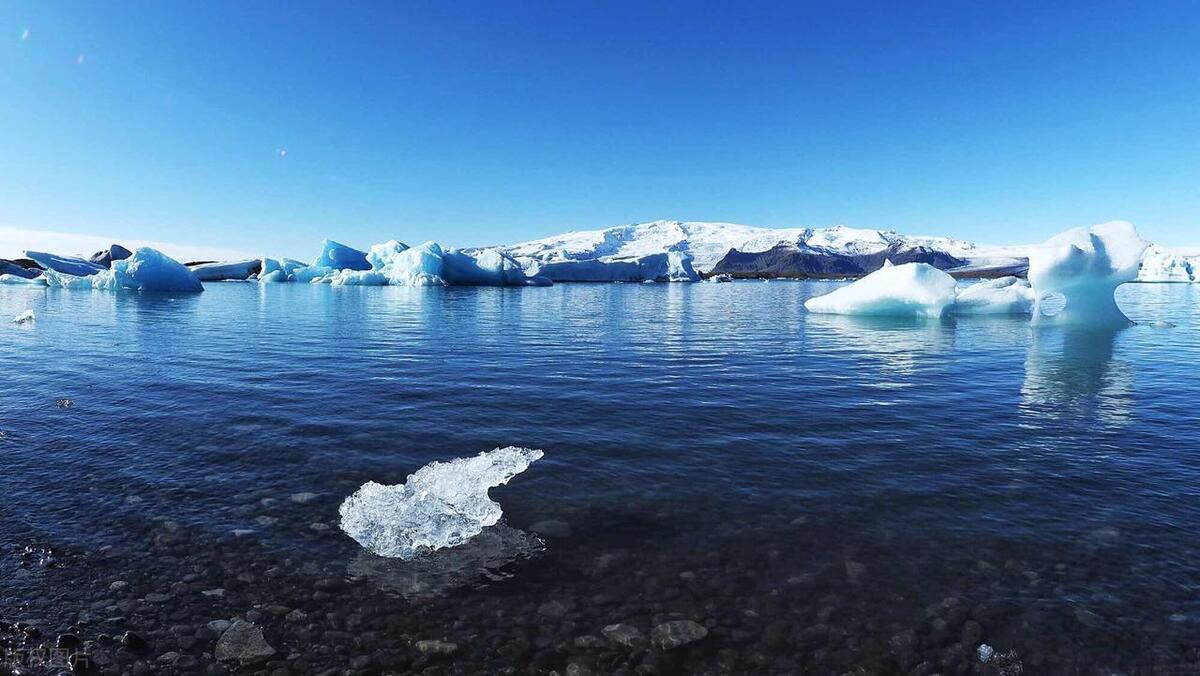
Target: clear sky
x=489, y=122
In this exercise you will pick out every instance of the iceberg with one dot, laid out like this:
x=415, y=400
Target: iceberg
x=909, y=290
x=18, y=280
x=1084, y=266
x=8, y=267
x=485, y=267
x=356, y=278
x=106, y=257
x=26, y=316
x=1005, y=295
x=147, y=270
x=670, y=266
x=341, y=257
x=218, y=272
x=1163, y=265
x=414, y=266
x=443, y=504
x=310, y=273
x=68, y=265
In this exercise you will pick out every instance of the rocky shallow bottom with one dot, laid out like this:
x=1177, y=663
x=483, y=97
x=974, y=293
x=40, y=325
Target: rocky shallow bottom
x=648, y=589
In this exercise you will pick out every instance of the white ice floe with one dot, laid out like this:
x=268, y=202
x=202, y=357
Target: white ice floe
x=1085, y=266
x=146, y=270
x=1006, y=295
x=26, y=316
x=40, y=280
x=909, y=290
x=443, y=504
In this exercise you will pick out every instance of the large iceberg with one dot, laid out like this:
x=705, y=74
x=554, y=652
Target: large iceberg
x=341, y=257
x=443, y=504
x=234, y=270
x=410, y=266
x=146, y=270
x=669, y=266
x=485, y=267
x=68, y=265
x=1005, y=295
x=909, y=290
x=1085, y=266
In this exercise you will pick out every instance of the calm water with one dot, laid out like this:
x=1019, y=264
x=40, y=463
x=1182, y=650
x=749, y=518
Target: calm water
x=820, y=493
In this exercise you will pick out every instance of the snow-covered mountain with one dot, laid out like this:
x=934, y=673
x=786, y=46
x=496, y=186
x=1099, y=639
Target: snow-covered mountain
x=708, y=243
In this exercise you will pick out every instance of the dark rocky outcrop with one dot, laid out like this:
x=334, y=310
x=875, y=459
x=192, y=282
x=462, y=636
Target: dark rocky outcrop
x=788, y=261
x=106, y=257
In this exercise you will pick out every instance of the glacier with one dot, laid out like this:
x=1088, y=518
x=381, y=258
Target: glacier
x=443, y=504
x=1005, y=295
x=909, y=290
x=341, y=257
x=146, y=270
x=67, y=265
x=1084, y=266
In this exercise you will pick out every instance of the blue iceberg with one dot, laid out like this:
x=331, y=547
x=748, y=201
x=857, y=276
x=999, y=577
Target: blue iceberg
x=146, y=270
x=68, y=265
x=217, y=272
x=341, y=257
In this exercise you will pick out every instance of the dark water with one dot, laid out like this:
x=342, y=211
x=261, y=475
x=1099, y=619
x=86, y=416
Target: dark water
x=822, y=494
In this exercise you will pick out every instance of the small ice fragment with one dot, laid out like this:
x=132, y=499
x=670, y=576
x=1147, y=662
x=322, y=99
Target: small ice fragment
x=443, y=504
x=26, y=316
x=64, y=403
x=985, y=653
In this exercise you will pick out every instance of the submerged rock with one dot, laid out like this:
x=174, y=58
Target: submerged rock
x=670, y=635
x=243, y=642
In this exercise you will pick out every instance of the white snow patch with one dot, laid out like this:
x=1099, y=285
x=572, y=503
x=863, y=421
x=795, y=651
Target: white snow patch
x=443, y=504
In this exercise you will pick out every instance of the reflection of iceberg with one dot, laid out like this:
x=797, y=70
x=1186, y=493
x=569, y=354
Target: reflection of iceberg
x=1085, y=266
x=909, y=290
x=482, y=559
x=895, y=344
x=443, y=504
x=1070, y=372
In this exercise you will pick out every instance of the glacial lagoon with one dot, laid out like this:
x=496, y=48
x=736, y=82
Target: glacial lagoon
x=817, y=493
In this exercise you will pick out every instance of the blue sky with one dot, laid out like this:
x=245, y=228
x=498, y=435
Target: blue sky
x=477, y=123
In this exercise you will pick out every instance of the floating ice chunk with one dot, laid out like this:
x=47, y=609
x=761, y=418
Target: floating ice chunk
x=68, y=265
x=146, y=270
x=443, y=504
x=420, y=265
x=485, y=267
x=1085, y=266
x=1005, y=295
x=19, y=280
x=341, y=257
x=670, y=266
x=235, y=270
x=909, y=290
x=985, y=652
x=26, y=316
x=1160, y=264
x=357, y=278
x=310, y=273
